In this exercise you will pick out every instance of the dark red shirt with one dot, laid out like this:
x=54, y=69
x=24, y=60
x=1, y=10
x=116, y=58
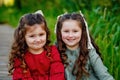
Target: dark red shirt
x=40, y=67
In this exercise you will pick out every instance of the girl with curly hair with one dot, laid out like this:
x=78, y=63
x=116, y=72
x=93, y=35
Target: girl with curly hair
x=32, y=57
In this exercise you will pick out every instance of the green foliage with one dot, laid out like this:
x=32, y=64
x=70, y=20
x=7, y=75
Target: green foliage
x=102, y=16
x=106, y=30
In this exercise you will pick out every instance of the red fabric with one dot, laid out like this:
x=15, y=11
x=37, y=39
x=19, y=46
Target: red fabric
x=40, y=67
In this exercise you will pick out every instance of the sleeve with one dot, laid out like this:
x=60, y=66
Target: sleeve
x=56, y=68
x=18, y=72
x=99, y=68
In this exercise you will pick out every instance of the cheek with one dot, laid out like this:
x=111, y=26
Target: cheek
x=63, y=36
x=44, y=38
x=28, y=40
x=78, y=36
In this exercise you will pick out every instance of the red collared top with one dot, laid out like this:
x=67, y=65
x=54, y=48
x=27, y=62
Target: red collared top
x=40, y=67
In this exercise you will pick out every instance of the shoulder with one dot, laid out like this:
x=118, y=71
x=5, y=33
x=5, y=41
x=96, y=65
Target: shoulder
x=93, y=56
x=53, y=48
x=93, y=53
x=54, y=52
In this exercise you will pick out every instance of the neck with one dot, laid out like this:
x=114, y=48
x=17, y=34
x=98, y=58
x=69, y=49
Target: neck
x=36, y=51
x=72, y=48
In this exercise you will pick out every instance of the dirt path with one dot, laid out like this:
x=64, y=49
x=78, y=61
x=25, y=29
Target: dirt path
x=6, y=37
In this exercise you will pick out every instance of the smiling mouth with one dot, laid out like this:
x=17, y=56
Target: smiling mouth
x=37, y=43
x=70, y=40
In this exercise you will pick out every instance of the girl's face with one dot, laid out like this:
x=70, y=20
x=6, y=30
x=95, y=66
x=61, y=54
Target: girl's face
x=71, y=34
x=35, y=38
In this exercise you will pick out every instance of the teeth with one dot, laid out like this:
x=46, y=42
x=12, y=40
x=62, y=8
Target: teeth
x=70, y=40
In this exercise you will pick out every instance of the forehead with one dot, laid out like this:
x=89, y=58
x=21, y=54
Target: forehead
x=71, y=24
x=34, y=27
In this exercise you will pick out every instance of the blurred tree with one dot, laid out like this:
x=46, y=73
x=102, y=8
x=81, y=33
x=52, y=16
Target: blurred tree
x=1, y=2
x=8, y=2
x=18, y=4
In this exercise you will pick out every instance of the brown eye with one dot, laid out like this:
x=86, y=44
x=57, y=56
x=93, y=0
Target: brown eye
x=32, y=36
x=66, y=31
x=41, y=34
x=75, y=31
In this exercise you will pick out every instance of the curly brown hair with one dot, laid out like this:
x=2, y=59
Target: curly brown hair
x=19, y=46
x=83, y=44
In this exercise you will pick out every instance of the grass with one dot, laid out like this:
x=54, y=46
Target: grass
x=106, y=31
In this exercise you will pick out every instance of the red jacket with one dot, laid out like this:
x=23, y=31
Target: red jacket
x=40, y=67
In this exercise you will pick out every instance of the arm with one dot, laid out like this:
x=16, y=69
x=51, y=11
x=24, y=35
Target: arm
x=99, y=68
x=56, y=68
x=18, y=72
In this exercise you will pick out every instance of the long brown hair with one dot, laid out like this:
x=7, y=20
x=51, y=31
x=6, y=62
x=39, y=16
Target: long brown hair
x=83, y=44
x=19, y=46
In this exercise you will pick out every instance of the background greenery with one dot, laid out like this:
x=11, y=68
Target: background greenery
x=103, y=18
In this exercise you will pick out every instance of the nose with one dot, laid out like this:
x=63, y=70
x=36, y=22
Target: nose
x=70, y=34
x=37, y=39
